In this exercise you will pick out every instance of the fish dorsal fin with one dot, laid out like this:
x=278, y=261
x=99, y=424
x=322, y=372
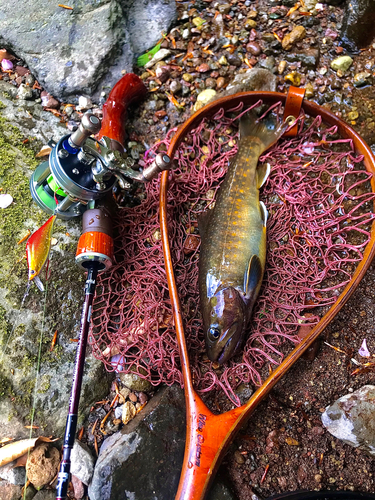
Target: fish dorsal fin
x=264, y=213
x=262, y=173
x=253, y=276
x=203, y=222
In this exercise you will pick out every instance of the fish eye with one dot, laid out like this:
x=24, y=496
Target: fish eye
x=214, y=333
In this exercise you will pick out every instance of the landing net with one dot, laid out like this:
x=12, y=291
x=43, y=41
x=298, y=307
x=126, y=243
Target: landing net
x=320, y=213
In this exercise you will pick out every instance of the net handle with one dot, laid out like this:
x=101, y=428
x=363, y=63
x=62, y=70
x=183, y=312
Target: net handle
x=293, y=105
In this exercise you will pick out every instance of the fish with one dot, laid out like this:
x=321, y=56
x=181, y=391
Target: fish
x=233, y=241
x=37, y=251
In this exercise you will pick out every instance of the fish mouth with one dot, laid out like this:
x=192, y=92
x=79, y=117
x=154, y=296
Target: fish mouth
x=222, y=353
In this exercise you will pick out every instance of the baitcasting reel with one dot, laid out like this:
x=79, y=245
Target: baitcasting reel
x=82, y=169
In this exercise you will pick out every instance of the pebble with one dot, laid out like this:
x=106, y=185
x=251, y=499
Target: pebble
x=253, y=48
x=203, y=68
x=352, y=115
x=159, y=56
x=210, y=83
x=281, y=67
x=342, y=63
x=175, y=86
x=128, y=412
x=203, y=98
x=239, y=458
x=223, y=61
x=294, y=78
x=48, y=101
x=296, y=35
x=361, y=78
x=22, y=71
x=29, y=80
x=162, y=73
x=187, y=77
x=134, y=382
x=220, y=82
x=250, y=23
x=84, y=103
x=24, y=92
x=309, y=90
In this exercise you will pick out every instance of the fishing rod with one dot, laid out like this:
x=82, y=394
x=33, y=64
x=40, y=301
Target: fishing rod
x=95, y=255
x=81, y=172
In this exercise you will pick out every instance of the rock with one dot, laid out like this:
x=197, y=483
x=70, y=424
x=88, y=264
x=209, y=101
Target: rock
x=42, y=465
x=128, y=412
x=296, y=35
x=223, y=61
x=358, y=27
x=244, y=392
x=159, y=56
x=175, y=86
x=82, y=462
x=84, y=103
x=253, y=79
x=57, y=44
x=24, y=92
x=144, y=459
x=146, y=20
x=268, y=63
x=14, y=475
x=342, y=63
x=135, y=382
x=254, y=48
x=48, y=101
x=78, y=487
x=9, y=491
x=309, y=90
x=351, y=419
x=308, y=57
x=362, y=78
x=45, y=495
x=203, y=98
x=293, y=78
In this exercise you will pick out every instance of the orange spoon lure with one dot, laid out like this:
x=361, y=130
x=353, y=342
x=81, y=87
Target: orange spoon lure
x=37, y=251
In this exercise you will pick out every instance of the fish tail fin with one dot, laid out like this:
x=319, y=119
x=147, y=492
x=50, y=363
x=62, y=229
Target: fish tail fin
x=268, y=130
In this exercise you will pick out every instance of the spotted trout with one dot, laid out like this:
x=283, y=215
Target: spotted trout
x=233, y=242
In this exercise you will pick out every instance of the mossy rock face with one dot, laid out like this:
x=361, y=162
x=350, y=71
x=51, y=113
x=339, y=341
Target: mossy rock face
x=26, y=330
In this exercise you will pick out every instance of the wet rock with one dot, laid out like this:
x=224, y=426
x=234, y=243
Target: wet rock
x=254, y=48
x=128, y=412
x=42, y=465
x=308, y=57
x=57, y=43
x=253, y=79
x=358, y=27
x=296, y=35
x=342, y=63
x=14, y=475
x=362, y=78
x=144, y=459
x=351, y=419
x=203, y=98
x=135, y=382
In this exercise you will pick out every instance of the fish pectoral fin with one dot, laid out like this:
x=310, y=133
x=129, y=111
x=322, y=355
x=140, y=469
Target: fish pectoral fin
x=264, y=213
x=203, y=222
x=253, y=276
x=262, y=173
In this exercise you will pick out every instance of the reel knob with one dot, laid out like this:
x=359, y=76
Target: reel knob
x=96, y=242
x=90, y=125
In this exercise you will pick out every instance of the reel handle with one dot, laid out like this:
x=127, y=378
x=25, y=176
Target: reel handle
x=126, y=91
x=90, y=125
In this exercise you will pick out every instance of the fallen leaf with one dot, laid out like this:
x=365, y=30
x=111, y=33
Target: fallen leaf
x=11, y=451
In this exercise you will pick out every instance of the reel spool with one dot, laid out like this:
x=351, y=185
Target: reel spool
x=82, y=170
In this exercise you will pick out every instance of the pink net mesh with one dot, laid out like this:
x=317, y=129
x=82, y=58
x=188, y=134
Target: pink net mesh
x=320, y=212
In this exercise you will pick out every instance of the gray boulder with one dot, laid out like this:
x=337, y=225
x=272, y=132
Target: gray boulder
x=80, y=50
x=352, y=419
x=144, y=459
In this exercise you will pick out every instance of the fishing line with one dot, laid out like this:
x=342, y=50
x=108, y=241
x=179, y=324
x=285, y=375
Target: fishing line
x=37, y=378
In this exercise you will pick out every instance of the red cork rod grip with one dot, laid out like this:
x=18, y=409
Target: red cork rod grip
x=126, y=91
